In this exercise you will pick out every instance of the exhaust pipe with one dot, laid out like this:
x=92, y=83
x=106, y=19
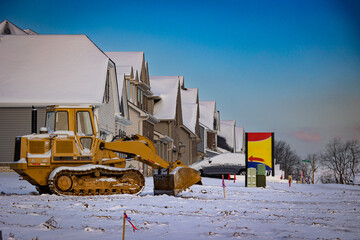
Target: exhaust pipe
x=33, y=120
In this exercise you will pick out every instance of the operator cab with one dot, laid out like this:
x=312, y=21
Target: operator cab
x=78, y=121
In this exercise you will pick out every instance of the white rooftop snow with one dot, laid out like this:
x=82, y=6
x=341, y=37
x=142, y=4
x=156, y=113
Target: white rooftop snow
x=239, y=137
x=207, y=113
x=127, y=70
x=221, y=160
x=189, y=112
x=227, y=131
x=13, y=30
x=134, y=59
x=30, y=32
x=189, y=107
x=51, y=69
x=190, y=95
x=167, y=89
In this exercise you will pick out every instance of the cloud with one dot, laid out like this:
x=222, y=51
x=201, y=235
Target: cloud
x=357, y=127
x=307, y=136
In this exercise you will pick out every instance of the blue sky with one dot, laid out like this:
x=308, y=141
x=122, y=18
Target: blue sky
x=292, y=67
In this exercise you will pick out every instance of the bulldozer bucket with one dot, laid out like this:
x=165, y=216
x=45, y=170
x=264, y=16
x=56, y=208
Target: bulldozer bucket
x=176, y=181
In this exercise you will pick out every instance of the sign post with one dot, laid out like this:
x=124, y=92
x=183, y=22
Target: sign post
x=313, y=167
x=123, y=236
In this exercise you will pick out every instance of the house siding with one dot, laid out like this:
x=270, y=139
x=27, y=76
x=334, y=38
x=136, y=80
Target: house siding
x=107, y=110
x=211, y=141
x=168, y=128
x=201, y=145
x=184, y=152
x=194, y=151
x=16, y=122
x=148, y=130
x=135, y=118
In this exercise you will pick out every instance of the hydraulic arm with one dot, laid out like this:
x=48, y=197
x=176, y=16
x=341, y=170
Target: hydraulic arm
x=69, y=158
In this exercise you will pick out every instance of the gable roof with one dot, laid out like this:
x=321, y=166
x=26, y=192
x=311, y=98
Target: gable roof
x=189, y=98
x=167, y=89
x=239, y=137
x=51, y=69
x=8, y=28
x=30, y=32
x=126, y=70
x=134, y=59
x=227, y=131
x=189, y=111
x=207, y=113
x=189, y=95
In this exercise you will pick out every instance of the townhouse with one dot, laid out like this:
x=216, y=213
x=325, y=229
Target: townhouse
x=209, y=127
x=139, y=97
x=43, y=70
x=226, y=136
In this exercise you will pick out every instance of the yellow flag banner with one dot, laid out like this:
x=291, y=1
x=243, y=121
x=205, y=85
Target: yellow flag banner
x=259, y=148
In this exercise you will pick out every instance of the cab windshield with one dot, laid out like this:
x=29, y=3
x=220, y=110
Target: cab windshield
x=57, y=121
x=84, y=126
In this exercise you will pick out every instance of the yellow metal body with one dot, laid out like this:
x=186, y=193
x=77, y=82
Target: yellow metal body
x=73, y=140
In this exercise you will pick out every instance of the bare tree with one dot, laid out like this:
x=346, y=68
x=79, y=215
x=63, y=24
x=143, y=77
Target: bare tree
x=287, y=158
x=354, y=155
x=342, y=159
x=307, y=167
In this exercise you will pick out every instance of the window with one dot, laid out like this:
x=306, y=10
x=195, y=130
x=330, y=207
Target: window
x=62, y=123
x=140, y=98
x=134, y=94
x=50, y=122
x=129, y=91
x=57, y=121
x=96, y=123
x=86, y=144
x=84, y=127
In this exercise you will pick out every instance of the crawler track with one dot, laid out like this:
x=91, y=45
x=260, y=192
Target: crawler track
x=96, y=180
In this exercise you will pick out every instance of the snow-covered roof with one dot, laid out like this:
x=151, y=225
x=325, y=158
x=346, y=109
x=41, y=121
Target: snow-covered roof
x=51, y=69
x=167, y=89
x=239, y=137
x=189, y=95
x=221, y=160
x=134, y=59
x=126, y=70
x=177, y=78
x=227, y=131
x=181, y=78
x=6, y=27
x=189, y=107
x=120, y=81
x=30, y=32
x=207, y=113
x=189, y=111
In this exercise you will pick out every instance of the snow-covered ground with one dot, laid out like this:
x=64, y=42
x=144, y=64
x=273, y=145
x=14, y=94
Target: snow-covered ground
x=275, y=212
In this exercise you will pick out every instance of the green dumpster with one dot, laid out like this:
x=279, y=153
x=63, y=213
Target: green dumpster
x=261, y=175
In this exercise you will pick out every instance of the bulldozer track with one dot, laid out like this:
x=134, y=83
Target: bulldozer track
x=96, y=181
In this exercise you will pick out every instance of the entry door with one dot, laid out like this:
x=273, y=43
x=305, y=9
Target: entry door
x=85, y=131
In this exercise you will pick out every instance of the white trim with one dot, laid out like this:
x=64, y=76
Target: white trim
x=122, y=120
x=164, y=138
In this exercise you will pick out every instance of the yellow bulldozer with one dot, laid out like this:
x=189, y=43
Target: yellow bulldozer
x=68, y=157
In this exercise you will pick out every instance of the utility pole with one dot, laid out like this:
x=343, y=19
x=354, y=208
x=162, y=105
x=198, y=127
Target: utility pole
x=308, y=161
x=313, y=170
